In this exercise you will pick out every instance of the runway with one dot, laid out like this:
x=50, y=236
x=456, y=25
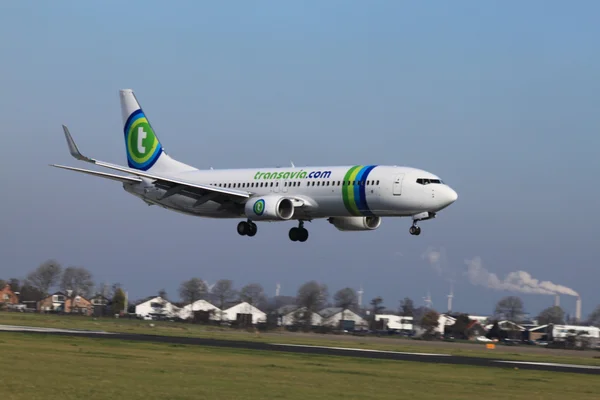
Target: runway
x=437, y=358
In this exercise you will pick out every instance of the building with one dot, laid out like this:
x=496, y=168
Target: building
x=53, y=303
x=157, y=307
x=101, y=305
x=79, y=305
x=7, y=296
x=59, y=302
x=395, y=322
x=244, y=314
x=289, y=316
x=332, y=316
x=200, y=306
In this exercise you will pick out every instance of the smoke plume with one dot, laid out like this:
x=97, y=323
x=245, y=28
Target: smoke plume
x=519, y=281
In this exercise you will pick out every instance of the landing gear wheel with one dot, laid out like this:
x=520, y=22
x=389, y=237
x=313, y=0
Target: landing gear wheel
x=298, y=234
x=247, y=228
x=415, y=230
x=252, y=229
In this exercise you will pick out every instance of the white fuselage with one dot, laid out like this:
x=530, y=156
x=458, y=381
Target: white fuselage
x=326, y=191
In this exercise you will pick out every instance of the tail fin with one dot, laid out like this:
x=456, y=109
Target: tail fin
x=144, y=150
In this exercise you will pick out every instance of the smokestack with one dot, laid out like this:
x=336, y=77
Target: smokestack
x=557, y=301
x=578, y=309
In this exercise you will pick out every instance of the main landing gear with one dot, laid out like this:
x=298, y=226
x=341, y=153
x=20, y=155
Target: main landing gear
x=299, y=234
x=247, y=228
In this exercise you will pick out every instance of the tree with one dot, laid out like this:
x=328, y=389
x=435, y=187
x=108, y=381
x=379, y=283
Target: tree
x=376, y=308
x=45, y=276
x=594, y=318
x=552, y=315
x=30, y=293
x=346, y=299
x=118, y=301
x=224, y=292
x=510, y=308
x=430, y=321
x=253, y=294
x=311, y=295
x=192, y=290
x=162, y=293
x=78, y=280
x=407, y=307
x=460, y=327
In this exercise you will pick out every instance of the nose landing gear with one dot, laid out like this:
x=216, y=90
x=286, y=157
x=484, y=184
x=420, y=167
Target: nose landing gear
x=415, y=230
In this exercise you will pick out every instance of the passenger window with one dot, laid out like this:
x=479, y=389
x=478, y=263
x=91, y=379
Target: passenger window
x=271, y=184
x=378, y=182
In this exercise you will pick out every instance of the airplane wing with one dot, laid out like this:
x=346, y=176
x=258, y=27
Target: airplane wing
x=124, y=179
x=171, y=184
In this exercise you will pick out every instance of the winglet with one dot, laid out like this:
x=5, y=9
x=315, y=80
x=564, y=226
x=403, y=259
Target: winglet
x=73, y=147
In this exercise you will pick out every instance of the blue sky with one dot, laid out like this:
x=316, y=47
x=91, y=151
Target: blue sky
x=498, y=98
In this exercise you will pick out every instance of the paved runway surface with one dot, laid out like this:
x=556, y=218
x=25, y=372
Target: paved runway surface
x=320, y=350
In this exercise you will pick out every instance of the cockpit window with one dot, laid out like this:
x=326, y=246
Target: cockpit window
x=427, y=181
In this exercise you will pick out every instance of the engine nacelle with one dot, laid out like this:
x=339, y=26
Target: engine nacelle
x=355, y=223
x=270, y=207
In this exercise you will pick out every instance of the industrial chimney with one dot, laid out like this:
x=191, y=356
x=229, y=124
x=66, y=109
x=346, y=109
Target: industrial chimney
x=578, y=309
x=557, y=301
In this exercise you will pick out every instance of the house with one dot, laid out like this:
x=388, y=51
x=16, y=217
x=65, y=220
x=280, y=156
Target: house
x=79, y=305
x=7, y=296
x=61, y=303
x=244, y=314
x=395, y=322
x=508, y=330
x=443, y=321
x=101, y=305
x=53, y=303
x=156, y=307
x=290, y=315
x=201, y=306
x=332, y=316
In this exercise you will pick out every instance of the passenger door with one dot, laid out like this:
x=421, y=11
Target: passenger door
x=397, y=185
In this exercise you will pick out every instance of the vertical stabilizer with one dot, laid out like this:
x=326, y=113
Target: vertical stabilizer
x=144, y=150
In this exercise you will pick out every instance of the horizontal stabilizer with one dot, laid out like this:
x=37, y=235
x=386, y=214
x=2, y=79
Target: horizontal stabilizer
x=114, y=177
x=234, y=194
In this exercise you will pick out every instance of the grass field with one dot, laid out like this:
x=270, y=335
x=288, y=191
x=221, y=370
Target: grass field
x=530, y=353
x=48, y=367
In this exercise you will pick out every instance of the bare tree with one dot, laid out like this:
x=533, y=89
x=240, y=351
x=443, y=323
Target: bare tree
x=192, y=290
x=407, y=307
x=594, y=318
x=377, y=307
x=78, y=280
x=510, y=308
x=45, y=276
x=346, y=299
x=253, y=294
x=312, y=296
x=224, y=293
x=552, y=315
x=429, y=322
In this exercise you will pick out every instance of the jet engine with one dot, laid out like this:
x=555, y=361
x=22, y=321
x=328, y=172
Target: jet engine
x=270, y=207
x=355, y=223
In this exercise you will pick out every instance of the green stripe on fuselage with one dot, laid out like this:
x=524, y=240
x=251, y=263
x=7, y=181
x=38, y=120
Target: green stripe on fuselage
x=348, y=190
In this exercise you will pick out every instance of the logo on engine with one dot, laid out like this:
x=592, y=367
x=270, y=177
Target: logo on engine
x=259, y=207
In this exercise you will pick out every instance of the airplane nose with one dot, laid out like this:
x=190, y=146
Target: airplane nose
x=452, y=195
x=448, y=196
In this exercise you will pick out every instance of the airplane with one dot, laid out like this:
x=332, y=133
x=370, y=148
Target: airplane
x=351, y=198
